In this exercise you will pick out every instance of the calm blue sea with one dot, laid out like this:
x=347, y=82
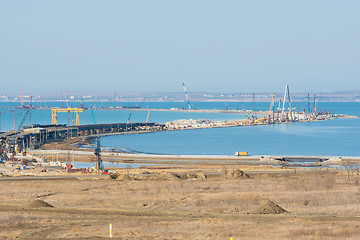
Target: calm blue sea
x=339, y=137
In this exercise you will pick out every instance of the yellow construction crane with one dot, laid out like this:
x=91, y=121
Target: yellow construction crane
x=54, y=112
x=260, y=120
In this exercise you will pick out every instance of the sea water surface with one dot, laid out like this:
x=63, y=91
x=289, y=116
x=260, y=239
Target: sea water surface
x=340, y=137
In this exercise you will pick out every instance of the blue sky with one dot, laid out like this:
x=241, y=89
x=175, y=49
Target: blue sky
x=221, y=46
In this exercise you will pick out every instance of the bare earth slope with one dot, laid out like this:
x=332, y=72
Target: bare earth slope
x=320, y=205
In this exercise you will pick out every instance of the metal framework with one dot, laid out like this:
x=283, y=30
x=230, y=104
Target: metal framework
x=287, y=95
x=54, y=112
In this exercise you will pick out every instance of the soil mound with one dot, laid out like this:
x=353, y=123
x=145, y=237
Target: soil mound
x=168, y=176
x=188, y=176
x=237, y=173
x=269, y=207
x=38, y=204
x=123, y=177
x=113, y=176
x=201, y=176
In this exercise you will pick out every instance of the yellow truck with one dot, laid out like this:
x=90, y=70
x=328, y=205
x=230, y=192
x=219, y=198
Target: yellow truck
x=241, y=153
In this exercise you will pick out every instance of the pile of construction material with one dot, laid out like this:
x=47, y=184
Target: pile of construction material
x=189, y=123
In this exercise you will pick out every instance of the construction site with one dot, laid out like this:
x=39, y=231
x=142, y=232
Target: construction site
x=59, y=182
x=19, y=146
x=177, y=120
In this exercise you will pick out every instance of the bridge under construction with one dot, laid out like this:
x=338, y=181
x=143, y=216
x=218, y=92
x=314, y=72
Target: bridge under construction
x=34, y=137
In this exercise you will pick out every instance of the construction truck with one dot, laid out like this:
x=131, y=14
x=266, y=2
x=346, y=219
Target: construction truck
x=241, y=153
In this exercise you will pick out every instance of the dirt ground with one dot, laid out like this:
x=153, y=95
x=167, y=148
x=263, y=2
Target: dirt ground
x=183, y=204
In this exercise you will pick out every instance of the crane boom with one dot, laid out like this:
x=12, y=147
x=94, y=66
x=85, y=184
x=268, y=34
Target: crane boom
x=128, y=121
x=186, y=96
x=67, y=104
x=93, y=114
x=290, y=110
x=23, y=120
x=283, y=108
x=148, y=115
x=2, y=159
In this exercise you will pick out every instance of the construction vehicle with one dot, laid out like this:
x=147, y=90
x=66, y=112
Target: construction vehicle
x=7, y=150
x=241, y=153
x=261, y=120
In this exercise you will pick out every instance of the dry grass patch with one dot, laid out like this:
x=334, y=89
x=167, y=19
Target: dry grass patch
x=188, y=208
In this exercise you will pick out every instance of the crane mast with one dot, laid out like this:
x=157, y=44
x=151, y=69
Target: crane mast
x=286, y=96
x=272, y=102
x=283, y=107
